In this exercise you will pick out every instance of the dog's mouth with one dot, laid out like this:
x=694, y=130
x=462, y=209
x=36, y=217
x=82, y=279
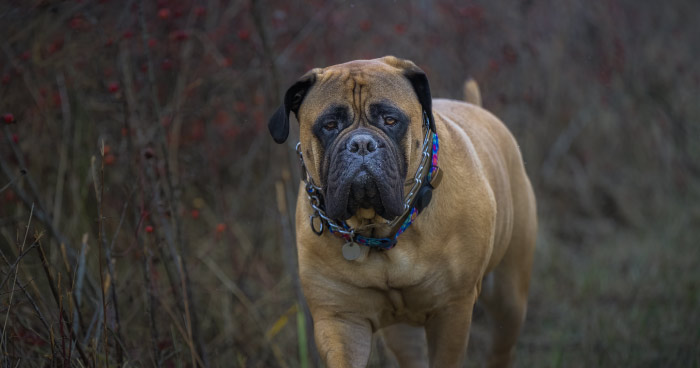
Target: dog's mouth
x=364, y=193
x=358, y=183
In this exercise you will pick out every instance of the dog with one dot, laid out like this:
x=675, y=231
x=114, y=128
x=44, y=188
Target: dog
x=410, y=210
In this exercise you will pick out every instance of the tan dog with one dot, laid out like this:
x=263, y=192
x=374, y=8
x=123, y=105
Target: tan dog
x=364, y=128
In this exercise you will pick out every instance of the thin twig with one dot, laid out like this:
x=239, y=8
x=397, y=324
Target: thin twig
x=54, y=291
x=39, y=213
x=248, y=304
x=182, y=331
x=178, y=97
x=171, y=193
x=290, y=258
x=561, y=145
x=188, y=320
x=23, y=166
x=13, y=179
x=150, y=296
x=26, y=293
x=16, y=264
x=129, y=114
x=12, y=293
x=256, y=13
x=63, y=150
x=99, y=194
x=112, y=284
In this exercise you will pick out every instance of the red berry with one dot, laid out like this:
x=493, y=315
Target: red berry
x=8, y=118
x=200, y=11
x=195, y=214
x=239, y=106
x=475, y=12
x=167, y=64
x=15, y=138
x=56, y=98
x=365, y=25
x=109, y=159
x=493, y=65
x=220, y=228
x=509, y=54
x=164, y=13
x=149, y=229
x=55, y=46
x=113, y=87
x=164, y=344
x=128, y=34
x=152, y=42
x=76, y=23
x=179, y=35
x=244, y=34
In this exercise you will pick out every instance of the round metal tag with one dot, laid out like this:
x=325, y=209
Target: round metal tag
x=351, y=251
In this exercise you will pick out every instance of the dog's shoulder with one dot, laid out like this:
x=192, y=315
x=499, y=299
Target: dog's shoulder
x=468, y=125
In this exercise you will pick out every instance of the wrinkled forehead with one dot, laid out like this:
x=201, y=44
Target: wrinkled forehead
x=359, y=84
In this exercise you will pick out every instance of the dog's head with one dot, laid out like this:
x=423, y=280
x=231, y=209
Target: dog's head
x=361, y=132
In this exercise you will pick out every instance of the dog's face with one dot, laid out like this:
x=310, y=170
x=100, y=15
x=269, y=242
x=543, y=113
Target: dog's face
x=361, y=131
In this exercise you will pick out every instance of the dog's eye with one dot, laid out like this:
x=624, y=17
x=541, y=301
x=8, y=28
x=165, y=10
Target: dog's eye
x=331, y=125
x=388, y=120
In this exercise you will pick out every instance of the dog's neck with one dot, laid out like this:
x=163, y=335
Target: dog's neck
x=367, y=223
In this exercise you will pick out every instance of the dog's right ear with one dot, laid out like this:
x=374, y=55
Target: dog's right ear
x=279, y=122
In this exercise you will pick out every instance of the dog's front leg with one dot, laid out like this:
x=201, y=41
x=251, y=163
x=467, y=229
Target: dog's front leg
x=343, y=341
x=447, y=331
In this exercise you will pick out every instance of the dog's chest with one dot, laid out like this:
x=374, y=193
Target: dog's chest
x=410, y=287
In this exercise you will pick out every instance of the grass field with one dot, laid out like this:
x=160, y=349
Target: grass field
x=628, y=298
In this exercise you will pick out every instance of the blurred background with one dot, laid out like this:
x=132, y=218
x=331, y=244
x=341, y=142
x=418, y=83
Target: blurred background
x=146, y=214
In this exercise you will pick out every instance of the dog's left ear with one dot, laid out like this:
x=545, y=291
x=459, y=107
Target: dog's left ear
x=279, y=122
x=419, y=81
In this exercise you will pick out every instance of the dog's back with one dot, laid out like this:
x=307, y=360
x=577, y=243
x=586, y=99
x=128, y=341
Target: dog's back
x=503, y=166
x=506, y=282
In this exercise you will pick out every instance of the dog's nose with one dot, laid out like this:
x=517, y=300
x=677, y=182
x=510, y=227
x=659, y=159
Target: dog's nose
x=361, y=144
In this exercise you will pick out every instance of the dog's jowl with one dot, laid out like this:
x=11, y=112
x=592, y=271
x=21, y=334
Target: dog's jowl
x=411, y=209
